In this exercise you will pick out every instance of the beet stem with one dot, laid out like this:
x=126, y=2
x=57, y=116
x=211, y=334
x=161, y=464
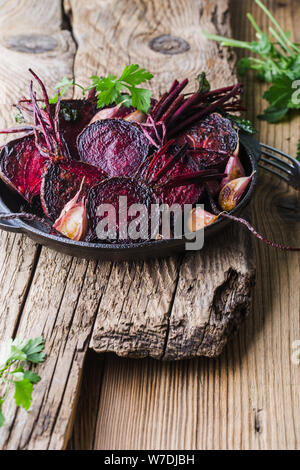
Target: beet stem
x=39, y=120
x=46, y=98
x=192, y=178
x=158, y=104
x=186, y=105
x=157, y=156
x=258, y=235
x=169, y=100
x=17, y=129
x=195, y=117
x=170, y=111
x=170, y=163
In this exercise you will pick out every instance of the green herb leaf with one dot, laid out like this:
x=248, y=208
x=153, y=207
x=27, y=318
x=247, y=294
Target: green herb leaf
x=133, y=75
x=19, y=118
x=204, y=85
x=34, y=350
x=18, y=353
x=141, y=99
x=280, y=93
x=111, y=89
x=32, y=376
x=63, y=86
x=243, y=124
x=278, y=63
x=273, y=114
x=2, y=419
x=23, y=393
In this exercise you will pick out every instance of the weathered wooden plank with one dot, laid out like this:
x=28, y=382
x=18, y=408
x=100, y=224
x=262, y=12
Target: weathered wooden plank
x=213, y=296
x=64, y=297
x=136, y=323
x=84, y=428
x=21, y=22
x=32, y=35
x=248, y=398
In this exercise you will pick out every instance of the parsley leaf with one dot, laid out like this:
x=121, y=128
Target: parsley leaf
x=2, y=419
x=32, y=376
x=133, y=75
x=34, y=350
x=140, y=98
x=111, y=89
x=19, y=354
x=277, y=61
x=23, y=393
x=63, y=86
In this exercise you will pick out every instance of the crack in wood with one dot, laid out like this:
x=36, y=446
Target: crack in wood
x=170, y=311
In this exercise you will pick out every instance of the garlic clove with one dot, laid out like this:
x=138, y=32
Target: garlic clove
x=232, y=192
x=136, y=116
x=199, y=219
x=234, y=169
x=73, y=221
x=106, y=113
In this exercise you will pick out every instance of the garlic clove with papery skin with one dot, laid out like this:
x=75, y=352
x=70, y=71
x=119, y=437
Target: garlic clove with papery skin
x=232, y=192
x=73, y=221
x=136, y=116
x=106, y=113
x=234, y=169
x=199, y=219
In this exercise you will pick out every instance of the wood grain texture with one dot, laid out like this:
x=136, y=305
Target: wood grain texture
x=165, y=309
x=18, y=254
x=34, y=282
x=249, y=398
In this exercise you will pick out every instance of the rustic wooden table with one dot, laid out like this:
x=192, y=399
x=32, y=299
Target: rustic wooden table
x=246, y=399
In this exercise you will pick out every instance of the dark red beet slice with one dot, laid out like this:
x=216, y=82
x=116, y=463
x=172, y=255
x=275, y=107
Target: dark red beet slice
x=22, y=166
x=75, y=115
x=189, y=194
x=61, y=182
x=215, y=133
x=117, y=147
x=109, y=192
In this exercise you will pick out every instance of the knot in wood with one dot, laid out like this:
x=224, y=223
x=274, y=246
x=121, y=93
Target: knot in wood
x=170, y=45
x=31, y=43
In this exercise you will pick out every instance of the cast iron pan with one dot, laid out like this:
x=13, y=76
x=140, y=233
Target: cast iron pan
x=10, y=202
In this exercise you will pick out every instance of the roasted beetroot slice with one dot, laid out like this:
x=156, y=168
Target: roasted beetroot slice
x=62, y=181
x=189, y=194
x=108, y=192
x=118, y=147
x=22, y=166
x=214, y=132
x=75, y=115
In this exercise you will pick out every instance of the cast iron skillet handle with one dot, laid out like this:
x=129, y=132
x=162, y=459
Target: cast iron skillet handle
x=8, y=226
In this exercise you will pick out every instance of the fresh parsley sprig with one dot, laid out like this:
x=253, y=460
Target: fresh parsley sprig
x=14, y=372
x=111, y=89
x=277, y=61
x=63, y=86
